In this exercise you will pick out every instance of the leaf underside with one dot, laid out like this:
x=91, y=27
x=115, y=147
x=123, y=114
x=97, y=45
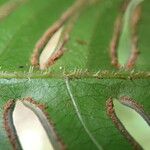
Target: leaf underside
x=83, y=125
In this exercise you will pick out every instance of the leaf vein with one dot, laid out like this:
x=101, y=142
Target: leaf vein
x=80, y=117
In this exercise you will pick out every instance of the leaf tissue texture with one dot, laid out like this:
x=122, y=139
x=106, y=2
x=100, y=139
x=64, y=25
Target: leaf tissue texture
x=74, y=89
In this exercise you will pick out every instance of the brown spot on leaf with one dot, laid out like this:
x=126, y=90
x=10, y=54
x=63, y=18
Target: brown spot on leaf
x=81, y=42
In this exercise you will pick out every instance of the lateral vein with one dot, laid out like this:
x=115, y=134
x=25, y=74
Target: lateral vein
x=80, y=117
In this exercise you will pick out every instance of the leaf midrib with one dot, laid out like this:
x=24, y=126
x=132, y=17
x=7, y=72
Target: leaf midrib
x=77, y=74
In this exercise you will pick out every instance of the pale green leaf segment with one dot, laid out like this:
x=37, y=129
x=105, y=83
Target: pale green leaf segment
x=125, y=41
x=88, y=48
x=134, y=123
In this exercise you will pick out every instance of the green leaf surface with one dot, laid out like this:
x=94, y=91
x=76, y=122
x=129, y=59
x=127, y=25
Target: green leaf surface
x=76, y=106
x=20, y=36
x=143, y=61
x=90, y=96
